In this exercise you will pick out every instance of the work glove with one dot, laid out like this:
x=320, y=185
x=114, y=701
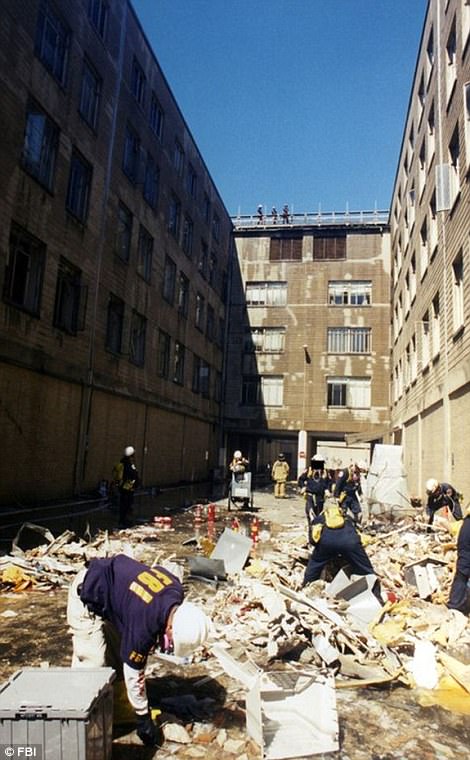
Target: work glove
x=147, y=730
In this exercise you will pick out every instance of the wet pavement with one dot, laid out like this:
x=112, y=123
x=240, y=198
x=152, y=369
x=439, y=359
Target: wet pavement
x=381, y=723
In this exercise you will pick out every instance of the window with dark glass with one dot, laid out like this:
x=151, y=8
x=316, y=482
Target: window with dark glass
x=52, y=41
x=216, y=227
x=286, y=248
x=151, y=181
x=24, y=270
x=187, y=242
x=169, y=280
x=144, y=261
x=205, y=375
x=333, y=247
x=130, y=162
x=70, y=299
x=200, y=309
x=156, y=117
x=212, y=266
x=123, y=232
x=90, y=95
x=206, y=208
x=79, y=187
x=40, y=145
x=183, y=294
x=98, y=11
x=196, y=380
x=178, y=157
x=174, y=216
x=163, y=361
x=138, y=331
x=178, y=363
x=203, y=259
x=138, y=82
x=115, y=323
x=210, y=323
x=191, y=181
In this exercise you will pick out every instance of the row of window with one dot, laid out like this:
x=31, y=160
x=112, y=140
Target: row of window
x=23, y=288
x=340, y=340
x=342, y=392
x=340, y=293
x=289, y=247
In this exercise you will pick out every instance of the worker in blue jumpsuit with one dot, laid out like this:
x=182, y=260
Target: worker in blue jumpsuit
x=442, y=495
x=343, y=541
x=315, y=485
x=458, y=597
x=348, y=489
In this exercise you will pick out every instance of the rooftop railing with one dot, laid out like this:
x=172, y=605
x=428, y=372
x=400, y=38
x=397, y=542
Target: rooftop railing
x=313, y=218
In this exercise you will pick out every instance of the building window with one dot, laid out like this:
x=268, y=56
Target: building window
x=151, y=181
x=70, y=299
x=163, y=362
x=286, y=248
x=203, y=259
x=78, y=191
x=137, y=339
x=451, y=61
x=200, y=309
x=174, y=216
x=266, y=340
x=90, y=95
x=98, y=14
x=124, y=232
x=40, y=146
x=263, y=390
x=183, y=295
x=215, y=226
x=349, y=292
x=169, y=280
x=422, y=169
x=425, y=340
x=52, y=41
x=431, y=135
x=413, y=360
x=196, y=381
x=210, y=322
x=454, y=161
x=187, y=242
x=115, y=323
x=24, y=271
x=138, y=82
x=350, y=392
x=465, y=22
x=178, y=158
x=130, y=161
x=191, y=181
x=156, y=117
x=412, y=278
x=430, y=53
x=144, y=261
x=349, y=340
x=206, y=208
x=435, y=327
x=266, y=293
x=212, y=273
x=178, y=363
x=329, y=248
x=457, y=293
x=205, y=376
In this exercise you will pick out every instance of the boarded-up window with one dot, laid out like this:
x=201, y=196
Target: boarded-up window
x=286, y=248
x=329, y=247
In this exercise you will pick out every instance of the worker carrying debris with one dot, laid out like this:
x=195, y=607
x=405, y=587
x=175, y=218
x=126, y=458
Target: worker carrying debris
x=334, y=535
x=348, y=489
x=118, y=611
x=458, y=597
x=442, y=495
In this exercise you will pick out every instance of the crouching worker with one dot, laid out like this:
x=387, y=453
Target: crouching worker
x=458, y=597
x=119, y=610
x=442, y=495
x=335, y=535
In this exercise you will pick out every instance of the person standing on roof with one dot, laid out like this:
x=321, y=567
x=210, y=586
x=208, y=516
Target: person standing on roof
x=119, y=610
x=285, y=214
x=442, y=495
x=260, y=214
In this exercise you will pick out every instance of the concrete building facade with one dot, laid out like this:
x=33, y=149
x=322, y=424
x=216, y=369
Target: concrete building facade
x=431, y=258
x=114, y=249
x=308, y=337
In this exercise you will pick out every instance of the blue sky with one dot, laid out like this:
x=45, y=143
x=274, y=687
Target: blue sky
x=291, y=101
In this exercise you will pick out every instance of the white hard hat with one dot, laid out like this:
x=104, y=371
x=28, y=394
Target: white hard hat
x=237, y=454
x=318, y=458
x=191, y=628
x=128, y=451
x=431, y=485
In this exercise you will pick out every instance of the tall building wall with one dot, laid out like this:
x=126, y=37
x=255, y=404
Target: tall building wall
x=114, y=251
x=430, y=254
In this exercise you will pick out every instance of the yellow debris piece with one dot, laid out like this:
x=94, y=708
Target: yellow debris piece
x=390, y=632
x=16, y=577
x=448, y=694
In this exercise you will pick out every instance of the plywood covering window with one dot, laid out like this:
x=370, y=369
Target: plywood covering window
x=286, y=248
x=329, y=247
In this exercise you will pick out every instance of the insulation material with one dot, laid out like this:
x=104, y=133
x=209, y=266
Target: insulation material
x=386, y=481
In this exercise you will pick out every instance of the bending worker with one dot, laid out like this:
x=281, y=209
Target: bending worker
x=458, y=597
x=442, y=495
x=118, y=611
x=335, y=535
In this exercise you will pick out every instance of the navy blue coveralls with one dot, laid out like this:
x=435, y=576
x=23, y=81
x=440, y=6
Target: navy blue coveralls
x=444, y=496
x=350, y=484
x=334, y=542
x=459, y=592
